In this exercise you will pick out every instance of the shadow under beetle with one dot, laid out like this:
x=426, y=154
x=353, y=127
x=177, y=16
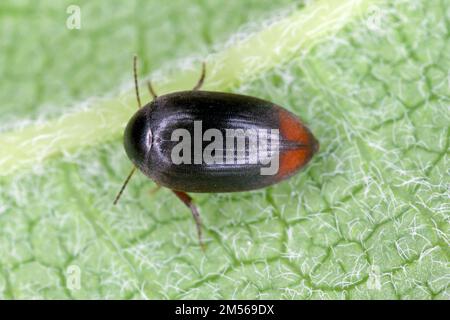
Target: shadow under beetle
x=149, y=142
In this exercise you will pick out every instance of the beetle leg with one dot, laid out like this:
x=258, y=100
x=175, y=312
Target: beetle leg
x=155, y=189
x=202, y=78
x=187, y=200
x=151, y=90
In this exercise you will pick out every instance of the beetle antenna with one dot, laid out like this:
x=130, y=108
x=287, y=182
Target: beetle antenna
x=136, y=85
x=202, y=78
x=151, y=90
x=124, y=185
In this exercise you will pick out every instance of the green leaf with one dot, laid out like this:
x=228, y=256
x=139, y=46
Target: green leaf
x=368, y=218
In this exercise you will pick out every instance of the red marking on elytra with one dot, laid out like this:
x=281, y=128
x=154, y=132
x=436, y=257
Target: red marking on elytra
x=291, y=160
x=292, y=129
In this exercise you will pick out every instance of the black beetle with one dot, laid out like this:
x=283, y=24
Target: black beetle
x=264, y=143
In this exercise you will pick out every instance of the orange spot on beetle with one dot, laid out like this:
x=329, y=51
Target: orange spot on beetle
x=292, y=129
x=291, y=160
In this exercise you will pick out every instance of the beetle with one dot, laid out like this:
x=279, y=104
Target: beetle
x=152, y=142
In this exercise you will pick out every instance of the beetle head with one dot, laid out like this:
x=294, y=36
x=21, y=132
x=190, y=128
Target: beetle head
x=138, y=137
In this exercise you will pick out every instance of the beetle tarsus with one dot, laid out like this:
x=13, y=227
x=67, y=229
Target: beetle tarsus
x=187, y=200
x=202, y=78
